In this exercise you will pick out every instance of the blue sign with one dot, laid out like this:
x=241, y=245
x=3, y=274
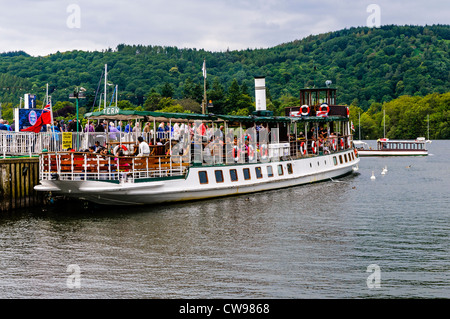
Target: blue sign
x=28, y=117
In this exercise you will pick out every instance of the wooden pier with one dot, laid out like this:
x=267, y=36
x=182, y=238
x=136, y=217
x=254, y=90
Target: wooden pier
x=18, y=176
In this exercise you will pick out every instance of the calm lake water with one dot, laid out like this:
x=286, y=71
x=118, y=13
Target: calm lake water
x=348, y=238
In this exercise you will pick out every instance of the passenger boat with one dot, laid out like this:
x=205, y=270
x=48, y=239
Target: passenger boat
x=387, y=147
x=212, y=155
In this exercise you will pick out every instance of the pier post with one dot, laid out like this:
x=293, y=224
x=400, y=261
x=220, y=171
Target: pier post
x=18, y=176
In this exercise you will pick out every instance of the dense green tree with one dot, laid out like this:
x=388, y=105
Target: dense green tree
x=373, y=66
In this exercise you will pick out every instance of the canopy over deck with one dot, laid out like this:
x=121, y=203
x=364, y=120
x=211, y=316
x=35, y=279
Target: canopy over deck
x=190, y=117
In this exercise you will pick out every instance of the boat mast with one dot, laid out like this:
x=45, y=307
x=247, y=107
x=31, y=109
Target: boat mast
x=359, y=126
x=117, y=93
x=106, y=75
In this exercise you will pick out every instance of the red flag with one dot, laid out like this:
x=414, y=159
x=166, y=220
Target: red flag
x=44, y=119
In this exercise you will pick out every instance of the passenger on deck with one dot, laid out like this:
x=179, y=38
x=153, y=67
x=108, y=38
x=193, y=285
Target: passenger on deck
x=144, y=149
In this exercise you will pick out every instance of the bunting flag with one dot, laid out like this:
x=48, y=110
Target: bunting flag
x=204, y=69
x=44, y=119
x=353, y=127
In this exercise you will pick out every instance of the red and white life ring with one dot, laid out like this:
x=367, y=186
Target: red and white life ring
x=236, y=153
x=342, y=143
x=313, y=147
x=334, y=144
x=305, y=110
x=251, y=153
x=327, y=108
x=303, y=148
x=263, y=151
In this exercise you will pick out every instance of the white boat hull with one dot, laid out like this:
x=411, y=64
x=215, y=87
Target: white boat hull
x=304, y=171
x=392, y=153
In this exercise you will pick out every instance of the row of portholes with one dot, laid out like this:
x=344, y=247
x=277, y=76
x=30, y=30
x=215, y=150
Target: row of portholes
x=219, y=178
x=344, y=158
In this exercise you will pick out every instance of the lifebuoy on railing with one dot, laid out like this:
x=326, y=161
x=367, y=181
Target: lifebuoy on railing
x=303, y=148
x=327, y=108
x=236, y=153
x=263, y=151
x=314, y=147
x=342, y=143
x=305, y=110
x=334, y=144
x=251, y=153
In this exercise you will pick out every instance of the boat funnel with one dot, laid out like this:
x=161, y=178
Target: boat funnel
x=260, y=93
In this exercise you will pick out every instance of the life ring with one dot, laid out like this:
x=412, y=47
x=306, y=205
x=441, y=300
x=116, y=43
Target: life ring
x=236, y=152
x=356, y=152
x=342, y=143
x=303, y=148
x=334, y=144
x=251, y=153
x=304, y=112
x=325, y=105
x=349, y=143
x=313, y=147
x=263, y=152
x=117, y=147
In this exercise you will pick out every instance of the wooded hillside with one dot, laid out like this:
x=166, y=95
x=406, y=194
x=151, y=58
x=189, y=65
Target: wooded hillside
x=369, y=66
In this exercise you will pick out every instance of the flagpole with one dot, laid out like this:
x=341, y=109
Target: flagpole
x=204, y=87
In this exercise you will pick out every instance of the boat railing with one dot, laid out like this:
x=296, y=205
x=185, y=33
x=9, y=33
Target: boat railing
x=91, y=166
x=303, y=147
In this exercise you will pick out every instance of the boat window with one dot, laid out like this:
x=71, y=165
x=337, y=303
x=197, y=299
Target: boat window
x=247, y=173
x=289, y=168
x=340, y=159
x=233, y=175
x=280, y=170
x=345, y=157
x=203, y=177
x=334, y=160
x=258, y=172
x=219, y=176
x=269, y=171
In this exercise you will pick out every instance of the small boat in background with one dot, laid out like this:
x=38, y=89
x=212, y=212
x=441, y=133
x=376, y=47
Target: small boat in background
x=387, y=147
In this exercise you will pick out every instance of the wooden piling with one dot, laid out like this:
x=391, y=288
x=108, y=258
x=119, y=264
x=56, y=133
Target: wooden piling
x=18, y=176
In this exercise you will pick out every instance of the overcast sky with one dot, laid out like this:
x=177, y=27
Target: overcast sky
x=41, y=27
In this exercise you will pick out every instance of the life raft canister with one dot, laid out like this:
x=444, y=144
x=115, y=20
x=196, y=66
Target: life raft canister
x=305, y=110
